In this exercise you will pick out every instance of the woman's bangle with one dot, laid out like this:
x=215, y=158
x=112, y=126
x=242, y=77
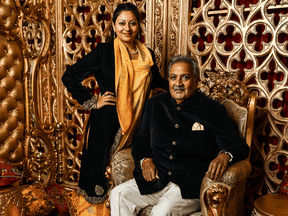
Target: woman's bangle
x=147, y=159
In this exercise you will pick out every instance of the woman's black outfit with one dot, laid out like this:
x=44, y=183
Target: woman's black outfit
x=103, y=123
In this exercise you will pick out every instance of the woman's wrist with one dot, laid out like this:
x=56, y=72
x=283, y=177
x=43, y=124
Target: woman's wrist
x=95, y=105
x=89, y=103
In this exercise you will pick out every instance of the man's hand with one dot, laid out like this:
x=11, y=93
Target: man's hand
x=149, y=171
x=218, y=166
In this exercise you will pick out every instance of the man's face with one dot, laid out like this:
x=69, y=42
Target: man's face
x=182, y=83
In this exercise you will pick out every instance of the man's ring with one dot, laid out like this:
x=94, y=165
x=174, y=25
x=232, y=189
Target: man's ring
x=104, y=94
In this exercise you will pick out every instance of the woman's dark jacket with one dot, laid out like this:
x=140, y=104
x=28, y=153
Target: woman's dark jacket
x=103, y=123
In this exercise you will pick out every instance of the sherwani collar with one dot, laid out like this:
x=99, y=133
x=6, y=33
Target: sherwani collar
x=187, y=102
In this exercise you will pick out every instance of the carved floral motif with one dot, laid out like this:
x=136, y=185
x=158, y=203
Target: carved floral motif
x=223, y=85
x=41, y=161
x=159, y=4
x=174, y=27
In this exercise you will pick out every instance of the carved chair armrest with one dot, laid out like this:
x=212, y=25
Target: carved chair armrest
x=237, y=172
x=122, y=166
x=225, y=196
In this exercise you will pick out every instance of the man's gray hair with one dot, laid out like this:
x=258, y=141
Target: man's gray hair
x=187, y=59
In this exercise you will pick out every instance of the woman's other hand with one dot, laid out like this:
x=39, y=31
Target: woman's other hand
x=106, y=99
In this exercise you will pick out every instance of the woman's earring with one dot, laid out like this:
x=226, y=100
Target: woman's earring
x=114, y=35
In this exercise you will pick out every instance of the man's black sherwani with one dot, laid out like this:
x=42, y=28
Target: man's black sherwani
x=182, y=155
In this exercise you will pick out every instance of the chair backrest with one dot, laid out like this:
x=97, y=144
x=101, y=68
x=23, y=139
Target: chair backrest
x=243, y=117
x=238, y=114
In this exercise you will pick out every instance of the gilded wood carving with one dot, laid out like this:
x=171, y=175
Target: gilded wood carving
x=232, y=38
x=250, y=40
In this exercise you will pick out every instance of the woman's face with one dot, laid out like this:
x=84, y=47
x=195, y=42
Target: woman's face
x=126, y=26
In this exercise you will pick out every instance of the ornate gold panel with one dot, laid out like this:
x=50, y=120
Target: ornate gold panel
x=156, y=30
x=249, y=40
x=167, y=29
x=27, y=30
x=233, y=38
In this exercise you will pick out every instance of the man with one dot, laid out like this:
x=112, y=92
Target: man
x=183, y=135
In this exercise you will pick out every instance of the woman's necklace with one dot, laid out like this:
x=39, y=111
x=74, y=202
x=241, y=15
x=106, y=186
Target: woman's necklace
x=133, y=52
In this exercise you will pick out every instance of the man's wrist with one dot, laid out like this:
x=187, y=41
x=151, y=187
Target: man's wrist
x=145, y=160
x=227, y=153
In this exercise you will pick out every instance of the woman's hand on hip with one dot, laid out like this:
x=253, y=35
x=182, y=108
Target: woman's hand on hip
x=106, y=99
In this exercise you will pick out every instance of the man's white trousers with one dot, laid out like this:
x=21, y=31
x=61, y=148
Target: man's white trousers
x=126, y=200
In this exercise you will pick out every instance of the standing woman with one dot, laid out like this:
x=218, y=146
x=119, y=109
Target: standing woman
x=125, y=71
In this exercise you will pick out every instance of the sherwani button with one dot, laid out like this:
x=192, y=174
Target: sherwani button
x=174, y=143
x=178, y=108
x=176, y=126
x=170, y=173
x=171, y=157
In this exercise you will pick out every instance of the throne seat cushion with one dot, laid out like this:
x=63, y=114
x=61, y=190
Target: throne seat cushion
x=56, y=194
x=37, y=201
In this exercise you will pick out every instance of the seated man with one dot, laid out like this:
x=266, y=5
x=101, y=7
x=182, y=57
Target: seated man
x=182, y=136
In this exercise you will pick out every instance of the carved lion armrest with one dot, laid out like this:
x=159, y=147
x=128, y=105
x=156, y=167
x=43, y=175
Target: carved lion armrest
x=226, y=196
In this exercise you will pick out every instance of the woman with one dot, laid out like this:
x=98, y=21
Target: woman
x=125, y=71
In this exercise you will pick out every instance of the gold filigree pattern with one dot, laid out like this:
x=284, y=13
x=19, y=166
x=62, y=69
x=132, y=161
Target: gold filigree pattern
x=250, y=41
x=175, y=6
x=41, y=161
x=224, y=85
x=228, y=38
x=158, y=34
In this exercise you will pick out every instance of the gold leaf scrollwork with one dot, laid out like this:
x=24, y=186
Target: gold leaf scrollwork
x=41, y=158
x=222, y=85
x=36, y=33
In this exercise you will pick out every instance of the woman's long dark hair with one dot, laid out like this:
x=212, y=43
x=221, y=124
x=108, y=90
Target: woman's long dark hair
x=126, y=7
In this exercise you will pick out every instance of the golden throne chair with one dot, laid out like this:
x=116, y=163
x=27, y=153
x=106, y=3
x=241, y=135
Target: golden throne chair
x=11, y=111
x=225, y=197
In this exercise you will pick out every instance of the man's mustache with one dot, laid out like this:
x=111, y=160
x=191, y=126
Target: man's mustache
x=182, y=88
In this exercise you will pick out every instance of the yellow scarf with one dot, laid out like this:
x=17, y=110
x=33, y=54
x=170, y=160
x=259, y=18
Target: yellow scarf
x=131, y=84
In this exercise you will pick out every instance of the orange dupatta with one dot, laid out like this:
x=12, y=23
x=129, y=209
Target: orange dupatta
x=131, y=84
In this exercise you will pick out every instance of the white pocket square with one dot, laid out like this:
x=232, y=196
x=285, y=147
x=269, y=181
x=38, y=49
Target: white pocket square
x=197, y=127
